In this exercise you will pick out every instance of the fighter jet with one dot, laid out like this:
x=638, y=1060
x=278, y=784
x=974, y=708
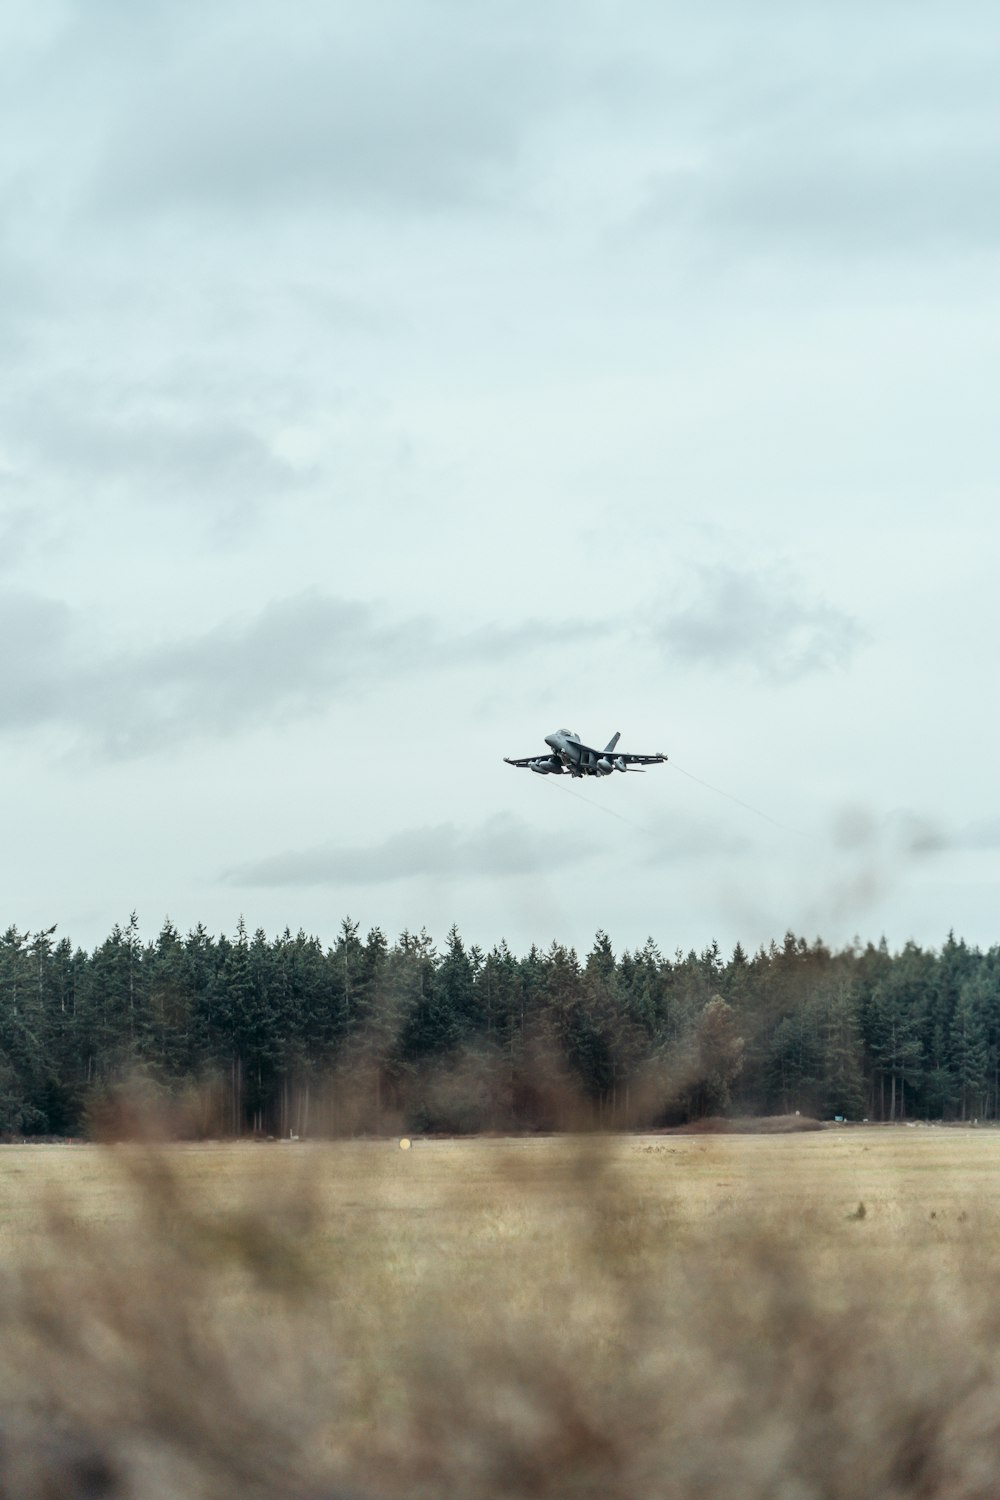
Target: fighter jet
x=570, y=755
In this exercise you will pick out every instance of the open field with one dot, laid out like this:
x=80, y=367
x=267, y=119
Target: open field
x=793, y=1315
x=798, y=1182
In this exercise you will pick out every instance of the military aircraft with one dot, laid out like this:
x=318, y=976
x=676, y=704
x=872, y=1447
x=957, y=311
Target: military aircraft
x=570, y=755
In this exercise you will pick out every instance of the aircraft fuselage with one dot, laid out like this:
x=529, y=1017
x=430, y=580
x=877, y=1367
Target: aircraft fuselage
x=570, y=756
x=578, y=759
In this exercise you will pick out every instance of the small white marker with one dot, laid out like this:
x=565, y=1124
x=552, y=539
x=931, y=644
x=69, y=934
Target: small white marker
x=404, y=1144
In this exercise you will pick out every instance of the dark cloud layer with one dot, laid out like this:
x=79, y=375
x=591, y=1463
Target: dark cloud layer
x=502, y=846
x=758, y=620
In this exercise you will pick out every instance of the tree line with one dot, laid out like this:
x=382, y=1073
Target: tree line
x=233, y=1035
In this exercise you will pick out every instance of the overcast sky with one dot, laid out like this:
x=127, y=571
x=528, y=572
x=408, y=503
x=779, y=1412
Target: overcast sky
x=384, y=386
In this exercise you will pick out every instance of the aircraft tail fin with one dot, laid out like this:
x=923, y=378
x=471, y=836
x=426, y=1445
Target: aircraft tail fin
x=613, y=742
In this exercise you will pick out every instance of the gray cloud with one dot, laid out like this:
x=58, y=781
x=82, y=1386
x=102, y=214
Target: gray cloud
x=860, y=196
x=914, y=836
x=20, y=528
x=36, y=637
x=27, y=302
x=502, y=846
x=285, y=663
x=381, y=106
x=867, y=136
x=984, y=833
x=289, y=661
x=677, y=838
x=895, y=837
x=298, y=655
x=757, y=620
x=103, y=445
x=877, y=127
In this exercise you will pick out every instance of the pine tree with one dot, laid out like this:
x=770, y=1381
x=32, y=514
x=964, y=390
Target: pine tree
x=233, y=1006
x=24, y=1072
x=347, y=959
x=894, y=1040
x=795, y=1062
x=842, y=1076
x=456, y=993
x=969, y=1047
x=168, y=1003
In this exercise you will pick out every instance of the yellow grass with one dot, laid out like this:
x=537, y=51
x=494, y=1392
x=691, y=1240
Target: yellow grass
x=636, y=1316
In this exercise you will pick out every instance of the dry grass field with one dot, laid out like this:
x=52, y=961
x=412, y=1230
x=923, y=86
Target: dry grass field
x=790, y=1316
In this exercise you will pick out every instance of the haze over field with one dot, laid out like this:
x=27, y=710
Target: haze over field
x=385, y=386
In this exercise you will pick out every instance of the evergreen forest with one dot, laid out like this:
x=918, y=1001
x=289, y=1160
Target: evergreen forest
x=276, y=1036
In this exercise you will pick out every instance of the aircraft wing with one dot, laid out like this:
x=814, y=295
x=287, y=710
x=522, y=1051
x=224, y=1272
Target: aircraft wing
x=630, y=760
x=531, y=760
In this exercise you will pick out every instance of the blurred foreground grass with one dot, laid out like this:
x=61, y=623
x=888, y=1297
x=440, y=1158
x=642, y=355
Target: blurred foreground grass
x=783, y=1316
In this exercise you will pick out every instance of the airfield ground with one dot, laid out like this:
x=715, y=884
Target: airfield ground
x=815, y=1315
x=445, y=1199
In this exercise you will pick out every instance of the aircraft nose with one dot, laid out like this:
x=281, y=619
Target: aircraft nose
x=550, y=741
